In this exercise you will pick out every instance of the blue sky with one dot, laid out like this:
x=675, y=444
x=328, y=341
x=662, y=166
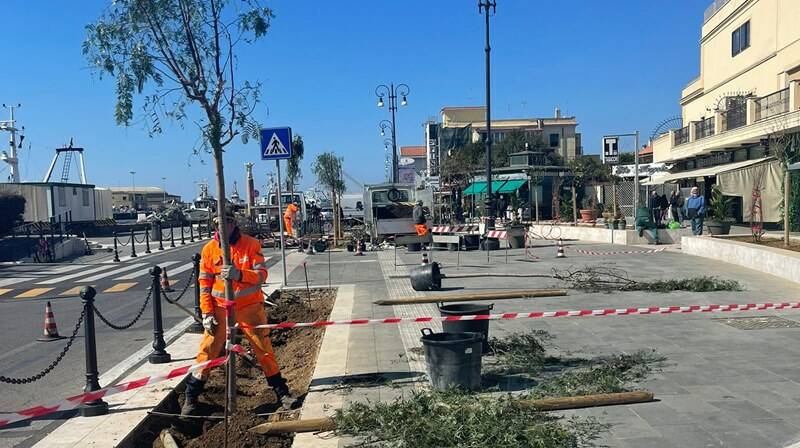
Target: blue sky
x=618, y=66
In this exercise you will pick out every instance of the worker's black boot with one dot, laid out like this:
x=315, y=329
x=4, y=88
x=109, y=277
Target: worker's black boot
x=278, y=384
x=194, y=388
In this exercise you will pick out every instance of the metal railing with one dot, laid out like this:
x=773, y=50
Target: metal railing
x=704, y=128
x=735, y=117
x=713, y=8
x=772, y=104
x=681, y=136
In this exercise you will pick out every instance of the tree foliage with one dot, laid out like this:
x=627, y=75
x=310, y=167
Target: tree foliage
x=293, y=172
x=327, y=167
x=184, y=50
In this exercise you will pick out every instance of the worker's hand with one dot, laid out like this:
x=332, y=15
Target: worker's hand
x=209, y=323
x=229, y=272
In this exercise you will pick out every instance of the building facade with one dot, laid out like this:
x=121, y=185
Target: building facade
x=141, y=198
x=747, y=94
x=559, y=133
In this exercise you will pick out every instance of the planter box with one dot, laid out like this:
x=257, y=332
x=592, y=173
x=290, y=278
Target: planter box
x=769, y=260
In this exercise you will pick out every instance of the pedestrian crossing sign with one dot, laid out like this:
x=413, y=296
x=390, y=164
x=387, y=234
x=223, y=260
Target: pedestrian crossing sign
x=276, y=143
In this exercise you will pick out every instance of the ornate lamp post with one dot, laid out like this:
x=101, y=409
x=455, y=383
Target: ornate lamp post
x=392, y=92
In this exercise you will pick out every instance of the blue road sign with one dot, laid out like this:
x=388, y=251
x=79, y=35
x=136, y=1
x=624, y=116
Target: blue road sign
x=276, y=143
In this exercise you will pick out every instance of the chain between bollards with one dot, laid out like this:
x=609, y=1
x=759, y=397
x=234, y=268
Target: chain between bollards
x=133, y=244
x=171, y=236
x=95, y=407
x=116, y=252
x=147, y=239
x=197, y=326
x=159, y=355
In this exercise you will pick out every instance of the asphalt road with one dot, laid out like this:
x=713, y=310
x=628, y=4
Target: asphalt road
x=24, y=291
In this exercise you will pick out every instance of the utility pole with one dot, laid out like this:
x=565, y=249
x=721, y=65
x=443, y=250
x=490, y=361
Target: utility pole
x=133, y=188
x=164, y=185
x=11, y=158
x=488, y=6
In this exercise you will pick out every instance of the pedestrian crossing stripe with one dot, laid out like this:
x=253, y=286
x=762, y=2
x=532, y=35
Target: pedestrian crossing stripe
x=275, y=147
x=5, y=290
x=119, y=287
x=35, y=292
x=72, y=292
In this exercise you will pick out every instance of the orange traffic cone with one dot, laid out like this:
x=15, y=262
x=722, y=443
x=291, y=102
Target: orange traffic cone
x=50, y=327
x=359, y=253
x=165, y=281
x=560, y=253
x=425, y=258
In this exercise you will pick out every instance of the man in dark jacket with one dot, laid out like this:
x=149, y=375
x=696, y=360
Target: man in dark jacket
x=419, y=220
x=655, y=208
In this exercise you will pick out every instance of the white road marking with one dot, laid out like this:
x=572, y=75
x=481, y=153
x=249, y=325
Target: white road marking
x=71, y=276
x=114, y=272
x=144, y=271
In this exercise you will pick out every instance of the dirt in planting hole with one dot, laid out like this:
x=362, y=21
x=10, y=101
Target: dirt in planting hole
x=296, y=351
x=794, y=245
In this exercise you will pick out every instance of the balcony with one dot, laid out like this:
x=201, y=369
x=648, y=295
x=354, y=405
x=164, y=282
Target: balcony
x=746, y=122
x=704, y=128
x=771, y=105
x=681, y=136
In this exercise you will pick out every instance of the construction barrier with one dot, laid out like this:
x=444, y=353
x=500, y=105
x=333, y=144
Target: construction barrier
x=545, y=314
x=618, y=252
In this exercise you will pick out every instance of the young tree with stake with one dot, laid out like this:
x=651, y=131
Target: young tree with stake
x=184, y=53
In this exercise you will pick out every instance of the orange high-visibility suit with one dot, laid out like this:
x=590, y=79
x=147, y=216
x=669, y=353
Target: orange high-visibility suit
x=288, y=217
x=248, y=300
x=421, y=229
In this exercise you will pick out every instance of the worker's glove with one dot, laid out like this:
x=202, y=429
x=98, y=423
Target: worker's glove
x=229, y=272
x=209, y=323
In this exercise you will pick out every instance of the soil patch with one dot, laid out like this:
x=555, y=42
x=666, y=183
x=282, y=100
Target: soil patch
x=793, y=246
x=296, y=351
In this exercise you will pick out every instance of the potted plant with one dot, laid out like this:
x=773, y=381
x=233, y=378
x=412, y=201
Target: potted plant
x=719, y=213
x=587, y=210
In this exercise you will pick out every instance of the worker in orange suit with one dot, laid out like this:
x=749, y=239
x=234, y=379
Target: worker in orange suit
x=248, y=272
x=419, y=220
x=288, y=218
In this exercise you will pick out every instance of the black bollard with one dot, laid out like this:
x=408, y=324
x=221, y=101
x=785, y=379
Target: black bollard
x=116, y=252
x=133, y=244
x=191, y=233
x=94, y=407
x=147, y=240
x=159, y=355
x=183, y=242
x=171, y=236
x=197, y=327
x=160, y=236
x=208, y=226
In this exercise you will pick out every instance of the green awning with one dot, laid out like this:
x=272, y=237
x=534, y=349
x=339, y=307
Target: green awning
x=475, y=188
x=512, y=186
x=497, y=185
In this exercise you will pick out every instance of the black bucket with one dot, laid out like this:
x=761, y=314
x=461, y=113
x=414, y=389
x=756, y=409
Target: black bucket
x=427, y=277
x=453, y=359
x=491, y=243
x=467, y=326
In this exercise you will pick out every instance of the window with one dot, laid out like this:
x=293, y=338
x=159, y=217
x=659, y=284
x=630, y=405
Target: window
x=85, y=192
x=740, y=39
x=554, y=140
x=62, y=196
x=74, y=191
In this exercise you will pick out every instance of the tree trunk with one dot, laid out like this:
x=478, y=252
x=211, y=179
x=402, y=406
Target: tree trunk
x=226, y=260
x=787, y=194
x=335, y=216
x=574, y=206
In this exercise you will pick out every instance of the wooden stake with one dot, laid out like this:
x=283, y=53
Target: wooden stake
x=547, y=404
x=471, y=297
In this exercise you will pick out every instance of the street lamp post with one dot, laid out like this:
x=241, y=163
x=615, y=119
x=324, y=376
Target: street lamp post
x=133, y=189
x=164, y=185
x=386, y=163
x=489, y=7
x=392, y=92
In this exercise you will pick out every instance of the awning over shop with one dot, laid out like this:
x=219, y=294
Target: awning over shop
x=703, y=172
x=512, y=186
x=475, y=188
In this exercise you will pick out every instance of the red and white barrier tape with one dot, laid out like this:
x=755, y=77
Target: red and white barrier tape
x=618, y=252
x=87, y=397
x=543, y=314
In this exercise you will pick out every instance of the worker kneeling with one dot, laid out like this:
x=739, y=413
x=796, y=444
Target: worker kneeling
x=248, y=273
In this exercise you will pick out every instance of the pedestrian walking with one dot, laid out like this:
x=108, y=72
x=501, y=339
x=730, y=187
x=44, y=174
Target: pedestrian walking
x=676, y=205
x=655, y=208
x=248, y=273
x=695, y=210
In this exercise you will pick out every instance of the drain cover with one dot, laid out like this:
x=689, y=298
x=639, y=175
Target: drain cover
x=758, y=322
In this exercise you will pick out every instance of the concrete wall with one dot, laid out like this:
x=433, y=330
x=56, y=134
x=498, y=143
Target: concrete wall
x=779, y=262
x=603, y=235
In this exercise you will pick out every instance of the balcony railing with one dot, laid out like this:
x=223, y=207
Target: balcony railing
x=681, y=136
x=704, y=128
x=773, y=104
x=713, y=8
x=734, y=117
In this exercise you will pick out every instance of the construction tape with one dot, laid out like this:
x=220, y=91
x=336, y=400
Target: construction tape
x=87, y=397
x=619, y=252
x=541, y=315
